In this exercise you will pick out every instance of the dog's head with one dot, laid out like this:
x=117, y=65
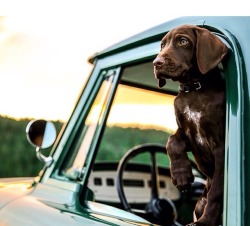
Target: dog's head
x=181, y=47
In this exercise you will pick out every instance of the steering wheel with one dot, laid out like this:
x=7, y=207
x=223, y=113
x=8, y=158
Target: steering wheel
x=158, y=210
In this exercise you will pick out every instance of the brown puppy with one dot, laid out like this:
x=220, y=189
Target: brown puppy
x=190, y=55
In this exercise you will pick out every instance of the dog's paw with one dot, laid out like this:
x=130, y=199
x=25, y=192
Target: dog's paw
x=182, y=176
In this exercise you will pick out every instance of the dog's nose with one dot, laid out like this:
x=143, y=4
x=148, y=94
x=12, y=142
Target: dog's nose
x=158, y=62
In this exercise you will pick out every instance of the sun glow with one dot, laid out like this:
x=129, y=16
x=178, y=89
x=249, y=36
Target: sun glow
x=143, y=116
x=43, y=56
x=44, y=47
x=37, y=68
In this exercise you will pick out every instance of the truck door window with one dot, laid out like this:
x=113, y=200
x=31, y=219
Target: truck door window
x=93, y=120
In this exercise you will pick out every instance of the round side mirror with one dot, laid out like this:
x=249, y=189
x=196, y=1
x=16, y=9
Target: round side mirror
x=41, y=134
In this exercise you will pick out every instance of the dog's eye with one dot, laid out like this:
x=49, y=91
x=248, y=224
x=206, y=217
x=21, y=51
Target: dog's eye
x=162, y=45
x=183, y=41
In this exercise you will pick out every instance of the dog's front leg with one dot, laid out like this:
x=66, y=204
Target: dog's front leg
x=180, y=166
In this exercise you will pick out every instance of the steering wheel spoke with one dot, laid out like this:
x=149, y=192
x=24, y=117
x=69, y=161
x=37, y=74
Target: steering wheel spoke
x=154, y=177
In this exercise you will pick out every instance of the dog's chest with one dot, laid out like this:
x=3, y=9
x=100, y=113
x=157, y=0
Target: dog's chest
x=191, y=113
x=193, y=116
x=193, y=119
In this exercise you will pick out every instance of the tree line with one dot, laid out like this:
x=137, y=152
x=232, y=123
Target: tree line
x=18, y=157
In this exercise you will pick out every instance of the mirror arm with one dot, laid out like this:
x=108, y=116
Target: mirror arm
x=46, y=160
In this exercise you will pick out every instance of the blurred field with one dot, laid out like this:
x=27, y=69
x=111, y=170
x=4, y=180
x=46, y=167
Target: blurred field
x=18, y=158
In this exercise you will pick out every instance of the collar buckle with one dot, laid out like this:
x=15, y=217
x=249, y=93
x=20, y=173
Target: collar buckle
x=197, y=85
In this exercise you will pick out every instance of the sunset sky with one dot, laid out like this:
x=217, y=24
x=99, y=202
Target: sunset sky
x=44, y=45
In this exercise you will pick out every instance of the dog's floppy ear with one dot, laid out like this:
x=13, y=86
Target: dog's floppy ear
x=210, y=50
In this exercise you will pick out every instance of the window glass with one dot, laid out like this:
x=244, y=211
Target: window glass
x=92, y=121
x=138, y=115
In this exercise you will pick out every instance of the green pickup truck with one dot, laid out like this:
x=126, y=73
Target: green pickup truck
x=108, y=165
